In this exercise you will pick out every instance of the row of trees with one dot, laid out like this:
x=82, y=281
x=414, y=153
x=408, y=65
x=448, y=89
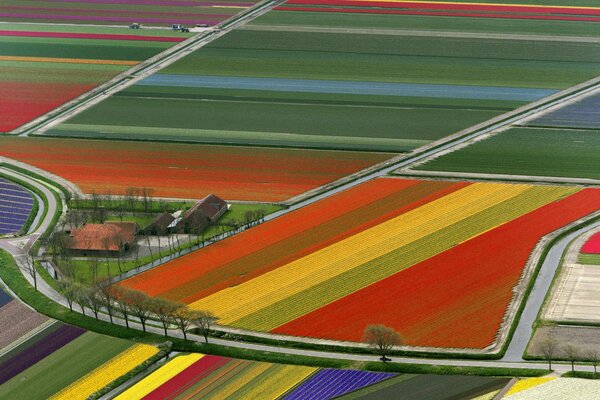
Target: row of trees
x=127, y=303
x=551, y=350
x=129, y=202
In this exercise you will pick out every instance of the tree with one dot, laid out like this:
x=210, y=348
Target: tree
x=131, y=196
x=164, y=311
x=204, y=321
x=571, y=354
x=120, y=294
x=29, y=262
x=94, y=269
x=548, y=348
x=94, y=300
x=67, y=289
x=107, y=296
x=183, y=319
x=382, y=339
x=80, y=296
x=138, y=304
x=594, y=356
x=147, y=198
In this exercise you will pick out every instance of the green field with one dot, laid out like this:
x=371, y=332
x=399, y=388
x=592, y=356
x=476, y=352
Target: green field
x=287, y=117
x=417, y=22
x=570, y=153
x=589, y=259
x=63, y=367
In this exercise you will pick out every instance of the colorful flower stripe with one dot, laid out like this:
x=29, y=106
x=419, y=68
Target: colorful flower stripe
x=235, y=173
x=524, y=384
x=40, y=350
x=25, y=101
x=233, y=377
x=100, y=12
x=362, y=252
x=99, y=36
x=422, y=302
x=67, y=60
x=394, y=261
x=274, y=382
x=421, y=5
x=159, y=3
x=158, y=377
x=107, y=372
x=209, y=19
x=354, y=212
x=592, y=246
x=329, y=383
x=185, y=379
x=437, y=13
x=284, y=239
x=561, y=389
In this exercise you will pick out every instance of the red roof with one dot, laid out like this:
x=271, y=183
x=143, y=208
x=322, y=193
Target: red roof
x=99, y=236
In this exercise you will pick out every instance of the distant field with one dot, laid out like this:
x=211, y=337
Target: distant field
x=188, y=171
x=152, y=13
x=286, y=80
x=373, y=254
x=417, y=22
x=42, y=68
x=570, y=153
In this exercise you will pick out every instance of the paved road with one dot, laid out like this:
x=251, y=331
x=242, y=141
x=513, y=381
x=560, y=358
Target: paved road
x=18, y=246
x=536, y=298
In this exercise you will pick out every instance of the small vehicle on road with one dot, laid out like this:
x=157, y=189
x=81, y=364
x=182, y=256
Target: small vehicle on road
x=135, y=25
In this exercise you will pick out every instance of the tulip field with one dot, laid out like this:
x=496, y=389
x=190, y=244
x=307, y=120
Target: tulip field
x=66, y=362
x=334, y=267
x=214, y=377
x=44, y=67
x=188, y=171
x=124, y=12
x=292, y=79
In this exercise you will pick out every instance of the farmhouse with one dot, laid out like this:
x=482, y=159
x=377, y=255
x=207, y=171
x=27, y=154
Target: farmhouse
x=160, y=224
x=96, y=239
x=204, y=212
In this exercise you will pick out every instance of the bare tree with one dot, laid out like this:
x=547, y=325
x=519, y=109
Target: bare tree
x=107, y=244
x=572, y=354
x=95, y=202
x=81, y=296
x=594, y=356
x=29, y=263
x=94, y=300
x=131, y=196
x=382, y=339
x=120, y=295
x=67, y=289
x=548, y=348
x=120, y=209
x=149, y=246
x=164, y=311
x=147, y=198
x=107, y=296
x=94, y=269
x=183, y=319
x=138, y=304
x=204, y=321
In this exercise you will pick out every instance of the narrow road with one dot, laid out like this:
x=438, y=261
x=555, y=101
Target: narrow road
x=535, y=301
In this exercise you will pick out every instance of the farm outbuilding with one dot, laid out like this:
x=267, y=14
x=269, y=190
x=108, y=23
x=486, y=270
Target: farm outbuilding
x=97, y=239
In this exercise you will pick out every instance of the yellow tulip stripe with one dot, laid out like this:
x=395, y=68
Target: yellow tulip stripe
x=362, y=259
x=528, y=383
x=158, y=377
x=107, y=372
x=252, y=380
